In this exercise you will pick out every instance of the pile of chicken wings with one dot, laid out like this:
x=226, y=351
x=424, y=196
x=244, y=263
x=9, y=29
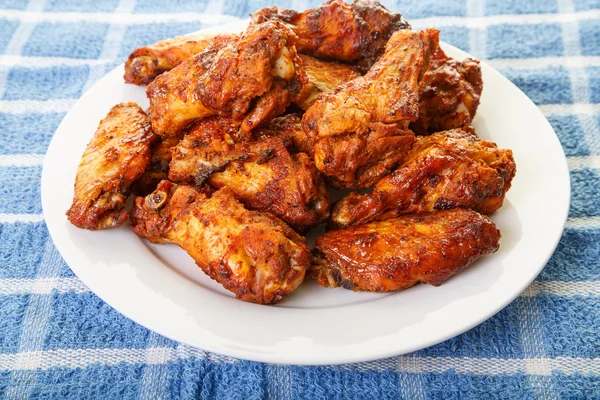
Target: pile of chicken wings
x=248, y=134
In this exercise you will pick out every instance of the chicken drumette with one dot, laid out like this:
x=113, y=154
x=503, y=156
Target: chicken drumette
x=146, y=63
x=445, y=170
x=355, y=33
x=397, y=253
x=261, y=174
x=116, y=156
x=252, y=254
x=249, y=80
x=449, y=95
x=359, y=132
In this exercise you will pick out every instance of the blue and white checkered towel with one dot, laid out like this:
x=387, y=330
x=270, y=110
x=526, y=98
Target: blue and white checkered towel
x=58, y=340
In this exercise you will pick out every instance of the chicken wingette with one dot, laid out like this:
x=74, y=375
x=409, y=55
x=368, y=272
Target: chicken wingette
x=146, y=63
x=249, y=80
x=360, y=130
x=261, y=174
x=116, y=156
x=445, y=170
x=397, y=253
x=252, y=254
x=449, y=95
x=354, y=32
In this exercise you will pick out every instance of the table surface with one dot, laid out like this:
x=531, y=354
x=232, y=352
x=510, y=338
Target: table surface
x=59, y=340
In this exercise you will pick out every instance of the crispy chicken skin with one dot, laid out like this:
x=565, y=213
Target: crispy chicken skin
x=450, y=93
x=249, y=80
x=158, y=167
x=288, y=129
x=323, y=77
x=252, y=254
x=445, y=170
x=116, y=156
x=350, y=32
x=173, y=96
x=261, y=67
x=397, y=253
x=359, y=130
x=262, y=175
x=146, y=63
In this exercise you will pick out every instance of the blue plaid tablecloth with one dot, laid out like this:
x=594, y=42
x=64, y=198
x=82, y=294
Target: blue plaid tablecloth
x=59, y=340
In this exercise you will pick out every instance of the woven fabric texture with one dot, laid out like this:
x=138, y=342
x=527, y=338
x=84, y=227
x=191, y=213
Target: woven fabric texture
x=60, y=341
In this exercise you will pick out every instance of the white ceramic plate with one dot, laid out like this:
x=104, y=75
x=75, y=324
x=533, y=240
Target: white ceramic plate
x=160, y=287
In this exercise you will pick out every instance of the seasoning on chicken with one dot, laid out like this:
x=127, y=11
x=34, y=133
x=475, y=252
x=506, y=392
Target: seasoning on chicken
x=262, y=174
x=158, y=167
x=252, y=254
x=449, y=96
x=354, y=32
x=445, y=170
x=323, y=77
x=116, y=156
x=249, y=80
x=146, y=63
x=360, y=130
x=397, y=253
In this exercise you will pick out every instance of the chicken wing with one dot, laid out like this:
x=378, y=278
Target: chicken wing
x=323, y=77
x=262, y=175
x=253, y=255
x=288, y=129
x=360, y=129
x=450, y=93
x=354, y=33
x=158, y=167
x=146, y=63
x=116, y=156
x=445, y=170
x=249, y=80
x=397, y=253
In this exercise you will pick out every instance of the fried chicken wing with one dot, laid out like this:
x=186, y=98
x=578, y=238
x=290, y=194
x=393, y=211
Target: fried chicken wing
x=449, y=96
x=323, y=77
x=253, y=255
x=360, y=129
x=353, y=33
x=288, y=129
x=116, y=156
x=262, y=175
x=173, y=96
x=397, y=253
x=146, y=63
x=158, y=167
x=445, y=170
x=249, y=80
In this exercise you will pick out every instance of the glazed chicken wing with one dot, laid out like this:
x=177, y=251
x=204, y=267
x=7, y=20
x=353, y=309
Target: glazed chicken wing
x=253, y=255
x=450, y=93
x=359, y=130
x=354, y=33
x=146, y=63
x=262, y=175
x=323, y=77
x=397, y=253
x=445, y=170
x=249, y=80
x=116, y=156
